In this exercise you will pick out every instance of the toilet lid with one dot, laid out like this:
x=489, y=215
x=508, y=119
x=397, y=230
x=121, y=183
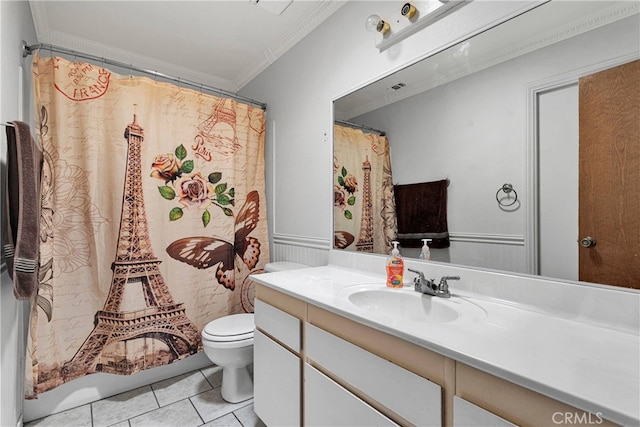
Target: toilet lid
x=235, y=327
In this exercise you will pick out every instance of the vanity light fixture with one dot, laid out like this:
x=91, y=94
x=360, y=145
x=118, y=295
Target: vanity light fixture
x=408, y=11
x=375, y=23
x=412, y=17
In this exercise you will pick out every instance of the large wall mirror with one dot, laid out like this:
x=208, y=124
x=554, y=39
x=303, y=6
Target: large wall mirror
x=499, y=124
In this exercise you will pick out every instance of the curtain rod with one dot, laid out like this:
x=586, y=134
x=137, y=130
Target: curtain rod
x=357, y=126
x=28, y=50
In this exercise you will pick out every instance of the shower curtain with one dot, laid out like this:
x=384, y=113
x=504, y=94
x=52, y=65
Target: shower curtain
x=152, y=217
x=364, y=214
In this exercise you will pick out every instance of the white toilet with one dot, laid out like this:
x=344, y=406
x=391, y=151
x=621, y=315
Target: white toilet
x=228, y=342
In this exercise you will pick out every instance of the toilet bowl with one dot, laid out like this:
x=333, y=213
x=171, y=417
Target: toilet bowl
x=228, y=342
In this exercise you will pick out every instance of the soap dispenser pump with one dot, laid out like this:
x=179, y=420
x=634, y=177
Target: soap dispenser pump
x=425, y=254
x=395, y=268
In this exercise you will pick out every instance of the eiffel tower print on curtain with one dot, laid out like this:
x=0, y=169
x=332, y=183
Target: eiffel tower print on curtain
x=365, y=237
x=160, y=332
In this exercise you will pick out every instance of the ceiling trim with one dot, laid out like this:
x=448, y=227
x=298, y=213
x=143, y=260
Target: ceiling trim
x=47, y=36
x=135, y=59
x=296, y=33
x=300, y=30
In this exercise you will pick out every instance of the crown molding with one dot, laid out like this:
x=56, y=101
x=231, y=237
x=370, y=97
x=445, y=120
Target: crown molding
x=122, y=55
x=296, y=33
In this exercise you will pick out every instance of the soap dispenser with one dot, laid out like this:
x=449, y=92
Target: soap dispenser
x=395, y=268
x=425, y=254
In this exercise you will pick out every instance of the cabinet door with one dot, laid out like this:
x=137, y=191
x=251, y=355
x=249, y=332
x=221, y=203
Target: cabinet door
x=326, y=403
x=414, y=398
x=280, y=325
x=276, y=382
x=466, y=414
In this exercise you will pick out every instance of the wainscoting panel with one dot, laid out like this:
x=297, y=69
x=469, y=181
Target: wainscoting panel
x=305, y=250
x=494, y=251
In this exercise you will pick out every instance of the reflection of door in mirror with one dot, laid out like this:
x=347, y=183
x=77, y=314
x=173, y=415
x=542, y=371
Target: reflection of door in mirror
x=589, y=130
x=610, y=176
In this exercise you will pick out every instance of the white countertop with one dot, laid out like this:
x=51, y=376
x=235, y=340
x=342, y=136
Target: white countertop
x=596, y=369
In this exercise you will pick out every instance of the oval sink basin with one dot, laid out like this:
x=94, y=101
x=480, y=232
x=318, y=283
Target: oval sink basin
x=413, y=306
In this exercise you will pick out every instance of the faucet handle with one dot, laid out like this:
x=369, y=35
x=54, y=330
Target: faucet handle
x=444, y=286
x=443, y=280
x=419, y=273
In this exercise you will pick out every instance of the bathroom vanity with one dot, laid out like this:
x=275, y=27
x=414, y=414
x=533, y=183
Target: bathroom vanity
x=334, y=346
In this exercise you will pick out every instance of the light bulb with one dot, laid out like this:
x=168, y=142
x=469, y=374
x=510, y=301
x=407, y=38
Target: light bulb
x=375, y=23
x=371, y=24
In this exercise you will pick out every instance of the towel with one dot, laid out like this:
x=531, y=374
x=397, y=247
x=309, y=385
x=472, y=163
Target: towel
x=21, y=237
x=421, y=210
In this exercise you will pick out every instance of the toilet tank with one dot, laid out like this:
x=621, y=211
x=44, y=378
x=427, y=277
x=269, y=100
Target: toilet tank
x=282, y=265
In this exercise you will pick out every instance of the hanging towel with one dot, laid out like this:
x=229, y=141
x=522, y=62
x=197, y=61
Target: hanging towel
x=22, y=209
x=422, y=214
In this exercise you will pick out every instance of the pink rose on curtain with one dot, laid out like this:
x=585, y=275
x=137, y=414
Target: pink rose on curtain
x=351, y=184
x=165, y=167
x=347, y=183
x=194, y=191
x=339, y=197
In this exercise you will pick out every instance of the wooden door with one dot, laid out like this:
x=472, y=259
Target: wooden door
x=609, y=187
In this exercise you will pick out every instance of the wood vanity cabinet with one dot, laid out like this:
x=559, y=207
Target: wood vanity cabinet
x=515, y=404
x=277, y=369
x=316, y=368
x=347, y=373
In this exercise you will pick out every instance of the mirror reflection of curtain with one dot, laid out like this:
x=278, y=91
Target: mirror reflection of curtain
x=363, y=191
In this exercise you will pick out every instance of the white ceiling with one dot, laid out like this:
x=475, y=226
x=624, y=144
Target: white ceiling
x=224, y=44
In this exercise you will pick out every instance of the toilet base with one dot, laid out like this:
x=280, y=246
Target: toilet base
x=237, y=384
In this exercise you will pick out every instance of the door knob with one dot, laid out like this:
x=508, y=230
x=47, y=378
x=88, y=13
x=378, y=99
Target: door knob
x=588, y=241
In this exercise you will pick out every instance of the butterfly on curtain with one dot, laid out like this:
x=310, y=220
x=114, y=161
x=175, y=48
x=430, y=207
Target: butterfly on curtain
x=342, y=239
x=205, y=252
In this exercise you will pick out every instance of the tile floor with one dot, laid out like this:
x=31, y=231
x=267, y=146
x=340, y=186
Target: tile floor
x=188, y=400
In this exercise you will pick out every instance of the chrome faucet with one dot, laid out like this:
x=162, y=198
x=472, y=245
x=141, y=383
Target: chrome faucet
x=428, y=286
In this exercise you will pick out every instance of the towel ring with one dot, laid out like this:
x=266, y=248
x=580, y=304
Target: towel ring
x=506, y=189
